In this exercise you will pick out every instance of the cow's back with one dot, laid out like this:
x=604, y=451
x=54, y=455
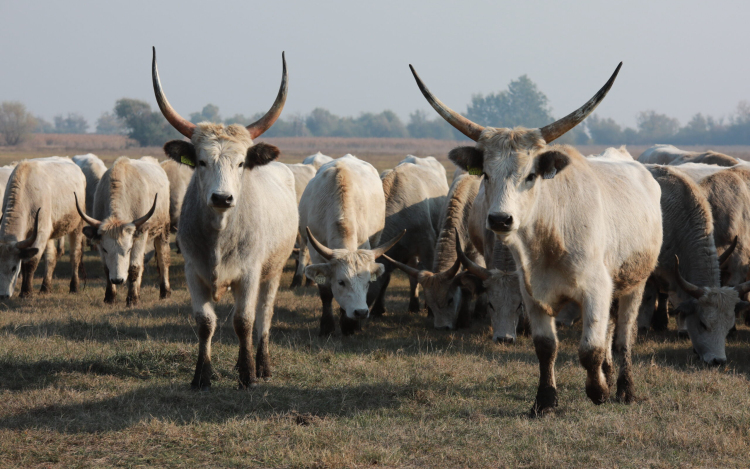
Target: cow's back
x=662, y=154
x=179, y=176
x=456, y=216
x=303, y=173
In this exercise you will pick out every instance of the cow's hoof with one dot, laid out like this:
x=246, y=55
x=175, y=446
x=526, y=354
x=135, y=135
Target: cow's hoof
x=349, y=326
x=414, y=305
x=163, y=295
x=625, y=389
x=545, y=402
x=131, y=301
x=25, y=295
x=377, y=310
x=327, y=326
x=683, y=335
x=200, y=387
x=598, y=393
x=296, y=282
x=44, y=289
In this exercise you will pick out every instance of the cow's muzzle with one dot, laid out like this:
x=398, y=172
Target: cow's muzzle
x=500, y=221
x=222, y=201
x=361, y=313
x=117, y=281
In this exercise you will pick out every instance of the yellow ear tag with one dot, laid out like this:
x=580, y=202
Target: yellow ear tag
x=186, y=160
x=475, y=171
x=320, y=279
x=373, y=277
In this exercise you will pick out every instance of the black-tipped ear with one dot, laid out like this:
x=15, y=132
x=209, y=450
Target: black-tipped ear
x=181, y=151
x=473, y=283
x=260, y=154
x=550, y=163
x=28, y=253
x=90, y=232
x=470, y=159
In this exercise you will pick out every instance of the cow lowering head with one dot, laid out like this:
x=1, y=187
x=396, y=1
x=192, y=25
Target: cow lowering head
x=709, y=315
x=348, y=273
x=514, y=162
x=11, y=255
x=503, y=296
x=220, y=154
x=114, y=238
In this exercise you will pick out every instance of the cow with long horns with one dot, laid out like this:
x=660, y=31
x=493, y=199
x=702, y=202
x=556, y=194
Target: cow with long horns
x=342, y=215
x=237, y=228
x=131, y=209
x=39, y=209
x=582, y=230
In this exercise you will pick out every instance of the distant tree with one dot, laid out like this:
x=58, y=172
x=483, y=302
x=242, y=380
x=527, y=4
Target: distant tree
x=420, y=126
x=656, y=128
x=383, y=125
x=15, y=122
x=322, y=123
x=110, y=124
x=604, y=131
x=73, y=123
x=238, y=119
x=700, y=130
x=210, y=113
x=43, y=126
x=522, y=104
x=144, y=126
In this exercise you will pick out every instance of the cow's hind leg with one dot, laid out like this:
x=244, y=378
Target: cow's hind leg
x=377, y=289
x=161, y=245
x=205, y=320
x=75, y=239
x=327, y=322
x=245, y=303
x=593, y=348
x=301, y=263
x=50, y=261
x=263, y=316
x=626, y=317
x=545, y=345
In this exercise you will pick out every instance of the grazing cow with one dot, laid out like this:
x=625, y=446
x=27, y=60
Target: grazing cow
x=303, y=173
x=317, y=160
x=5, y=172
x=179, y=176
x=688, y=230
x=580, y=229
x=93, y=168
x=36, y=212
x=416, y=191
x=448, y=298
x=671, y=155
x=342, y=215
x=131, y=209
x=237, y=228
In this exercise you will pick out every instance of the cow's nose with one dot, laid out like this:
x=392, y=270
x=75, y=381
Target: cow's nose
x=444, y=328
x=118, y=281
x=360, y=313
x=719, y=361
x=500, y=221
x=505, y=340
x=221, y=200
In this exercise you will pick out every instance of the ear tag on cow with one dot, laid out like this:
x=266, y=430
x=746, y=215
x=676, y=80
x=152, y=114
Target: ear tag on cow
x=186, y=160
x=373, y=277
x=320, y=279
x=475, y=171
x=550, y=174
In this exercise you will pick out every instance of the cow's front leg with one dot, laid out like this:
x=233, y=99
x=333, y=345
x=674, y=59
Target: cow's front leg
x=135, y=271
x=264, y=314
x=626, y=317
x=327, y=322
x=545, y=344
x=592, y=351
x=27, y=271
x=245, y=301
x=110, y=291
x=50, y=261
x=161, y=246
x=205, y=320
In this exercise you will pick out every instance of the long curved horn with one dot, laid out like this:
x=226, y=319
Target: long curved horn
x=462, y=124
x=558, y=128
x=471, y=266
x=452, y=271
x=406, y=268
x=140, y=221
x=265, y=122
x=28, y=242
x=182, y=125
x=91, y=221
x=385, y=247
x=327, y=253
x=724, y=258
x=692, y=290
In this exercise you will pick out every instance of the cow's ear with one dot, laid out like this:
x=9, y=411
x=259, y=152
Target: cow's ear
x=91, y=232
x=319, y=273
x=472, y=283
x=470, y=159
x=28, y=253
x=260, y=154
x=181, y=151
x=376, y=270
x=550, y=163
x=686, y=308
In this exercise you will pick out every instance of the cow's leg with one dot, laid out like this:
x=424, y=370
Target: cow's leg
x=593, y=348
x=264, y=314
x=110, y=291
x=327, y=322
x=626, y=317
x=660, y=320
x=27, y=270
x=161, y=245
x=135, y=271
x=246, y=299
x=50, y=261
x=205, y=320
x=75, y=239
x=377, y=289
x=545, y=344
x=299, y=271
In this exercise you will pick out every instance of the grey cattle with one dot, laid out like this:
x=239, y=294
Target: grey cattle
x=303, y=173
x=416, y=191
x=38, y=209
x=575, y=235
x=671, y=155
x=317, y=160
x=237, y=228
x=131, y=210
x=179, y=176
x=93, y=168
x=5, y=172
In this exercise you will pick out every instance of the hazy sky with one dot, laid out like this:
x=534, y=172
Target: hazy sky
x=680, y=57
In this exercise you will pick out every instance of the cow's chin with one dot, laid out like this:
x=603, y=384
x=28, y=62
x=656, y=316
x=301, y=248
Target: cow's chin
x=221, y=210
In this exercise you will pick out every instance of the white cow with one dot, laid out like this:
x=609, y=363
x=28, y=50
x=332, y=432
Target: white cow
x=303, y=173
x=93, y=168
x=317, y=160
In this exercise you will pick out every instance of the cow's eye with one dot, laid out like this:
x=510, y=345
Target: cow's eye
x=341, y=282
x=486, y=177
x=530, y=177
x=202, y=163
x=490, y=305
x=703, y=326
x=242, y=164
x=104, y=250
x=13, y=269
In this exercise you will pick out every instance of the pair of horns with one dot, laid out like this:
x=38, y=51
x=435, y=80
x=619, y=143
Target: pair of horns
x=327, y=252
x=549, y=132
x=698, y=292
x=28, y=242
x=186, y=128
x=450, y=272
x=96, y=223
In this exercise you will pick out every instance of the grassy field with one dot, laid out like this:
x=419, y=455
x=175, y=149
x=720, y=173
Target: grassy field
x=86, y=384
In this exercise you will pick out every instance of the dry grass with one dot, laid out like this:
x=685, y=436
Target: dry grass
x=86, y=384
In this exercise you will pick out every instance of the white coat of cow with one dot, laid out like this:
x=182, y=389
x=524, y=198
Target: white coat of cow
x=303, y=173
x=582, y=230
x=179, y=176
x=237, y=228
x=93, y=168
x=38, y=209
x=317, y=160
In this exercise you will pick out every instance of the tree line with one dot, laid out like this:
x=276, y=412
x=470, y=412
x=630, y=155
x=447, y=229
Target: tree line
x=521, y=104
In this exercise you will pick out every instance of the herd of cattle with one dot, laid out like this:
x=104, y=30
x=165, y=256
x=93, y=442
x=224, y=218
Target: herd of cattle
x=533, y=234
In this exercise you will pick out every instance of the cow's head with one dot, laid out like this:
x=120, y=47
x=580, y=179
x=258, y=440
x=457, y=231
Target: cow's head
x=114, y=239
x=11, y=255
x=709, y=315
x=348, y=273
x=220, y=154
x=514, y=162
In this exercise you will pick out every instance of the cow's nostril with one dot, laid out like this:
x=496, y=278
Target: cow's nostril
x=505, y=340
x=118, y=281
x=500, y=221
x=221, y=200
x=360, y=313
x=719, y=361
